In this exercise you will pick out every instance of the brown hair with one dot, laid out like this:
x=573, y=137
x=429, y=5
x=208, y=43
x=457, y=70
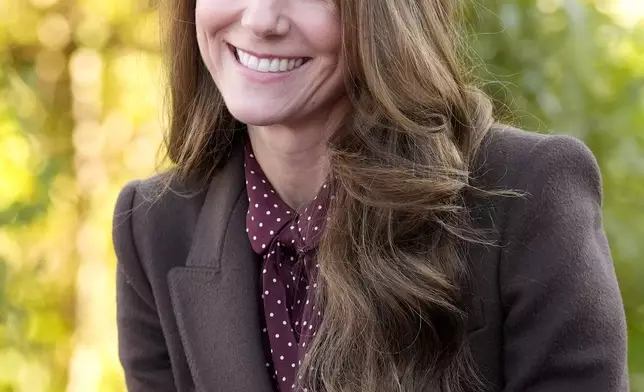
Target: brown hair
x=391, y=262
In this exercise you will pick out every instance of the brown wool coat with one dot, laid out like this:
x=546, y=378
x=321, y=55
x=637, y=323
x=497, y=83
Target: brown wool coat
x=545, y=312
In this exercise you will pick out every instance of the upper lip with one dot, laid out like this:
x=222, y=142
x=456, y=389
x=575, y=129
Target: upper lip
x=267, y=55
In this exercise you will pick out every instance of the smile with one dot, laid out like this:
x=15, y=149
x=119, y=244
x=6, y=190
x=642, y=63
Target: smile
x=268, y=64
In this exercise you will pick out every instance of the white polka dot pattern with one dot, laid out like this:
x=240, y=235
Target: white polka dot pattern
x=287, y=241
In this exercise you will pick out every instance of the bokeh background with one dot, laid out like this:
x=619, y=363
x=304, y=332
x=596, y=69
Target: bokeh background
x=81, y=94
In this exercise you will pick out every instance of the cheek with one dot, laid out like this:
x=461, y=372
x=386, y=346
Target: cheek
x=202, y=42
x=211, y=19
x=214, y=15
x=323, y=29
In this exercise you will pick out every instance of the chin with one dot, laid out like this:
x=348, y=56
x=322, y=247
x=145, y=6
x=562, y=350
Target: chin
x=255, y=115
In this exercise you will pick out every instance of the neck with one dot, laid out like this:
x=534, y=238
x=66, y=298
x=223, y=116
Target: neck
x=295, y=159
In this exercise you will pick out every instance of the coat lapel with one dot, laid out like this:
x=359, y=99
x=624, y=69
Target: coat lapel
x=216, y=295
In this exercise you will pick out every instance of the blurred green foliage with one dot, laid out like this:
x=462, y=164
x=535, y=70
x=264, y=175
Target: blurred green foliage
x=571, y=67
x=80, y=114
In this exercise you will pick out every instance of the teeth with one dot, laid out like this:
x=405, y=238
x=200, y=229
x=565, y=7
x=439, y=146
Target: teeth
x=264, y=65
x=268, y=64
x=252, y=62
x=275, y=65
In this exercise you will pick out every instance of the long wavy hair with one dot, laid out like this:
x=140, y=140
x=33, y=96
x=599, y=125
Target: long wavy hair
x=391, y=258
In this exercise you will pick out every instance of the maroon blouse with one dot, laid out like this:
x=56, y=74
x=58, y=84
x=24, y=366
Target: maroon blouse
x=287, y=241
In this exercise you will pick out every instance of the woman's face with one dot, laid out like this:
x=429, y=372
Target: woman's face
x=274, y=61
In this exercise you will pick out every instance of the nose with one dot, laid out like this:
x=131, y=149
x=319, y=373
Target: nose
x=265, y=18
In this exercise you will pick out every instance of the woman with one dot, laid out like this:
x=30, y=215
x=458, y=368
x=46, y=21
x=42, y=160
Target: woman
x=344, y=216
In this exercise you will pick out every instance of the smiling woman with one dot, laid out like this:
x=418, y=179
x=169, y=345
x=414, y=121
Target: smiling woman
x=344, y=215
x=305, y=32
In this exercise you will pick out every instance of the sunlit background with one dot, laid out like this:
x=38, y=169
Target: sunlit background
x=80, y=114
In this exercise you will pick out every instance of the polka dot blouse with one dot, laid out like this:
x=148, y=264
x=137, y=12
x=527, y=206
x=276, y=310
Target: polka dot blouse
x=287, y=242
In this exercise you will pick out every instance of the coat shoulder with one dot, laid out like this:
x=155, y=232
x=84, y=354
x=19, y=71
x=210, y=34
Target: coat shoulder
x=511, y=158
x=153, y=224
x=555, y=272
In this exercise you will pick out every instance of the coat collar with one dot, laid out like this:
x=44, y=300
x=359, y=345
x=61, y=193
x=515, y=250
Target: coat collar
x=215, y=296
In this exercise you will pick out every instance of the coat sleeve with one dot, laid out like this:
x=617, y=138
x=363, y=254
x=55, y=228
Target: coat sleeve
x=142, y=349
x=564, y=325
